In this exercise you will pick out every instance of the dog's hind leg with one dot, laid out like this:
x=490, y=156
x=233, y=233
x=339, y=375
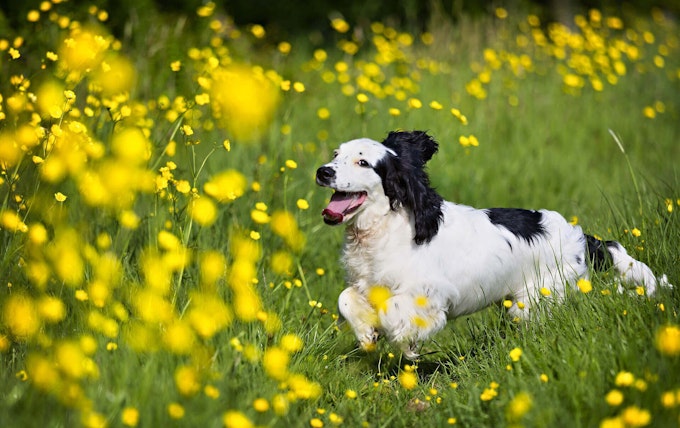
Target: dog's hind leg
x=630, y=271
x=360, y=315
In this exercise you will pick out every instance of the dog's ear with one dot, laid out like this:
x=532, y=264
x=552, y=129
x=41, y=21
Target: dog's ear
x=406, y=183
x=417, y=144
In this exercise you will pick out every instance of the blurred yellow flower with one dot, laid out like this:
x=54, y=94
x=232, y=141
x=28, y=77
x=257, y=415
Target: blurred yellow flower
x=260, y=405
x=226, y=186
x=614, y=397
x=176, y=410
x=518, y=407
x=291, y=343
x=203, y=211
x=275, y=362
x=20, y=316
x=187, y=380
x=51, y=309
x=515, y=354
x=634, y=416
x=179, y=338
x=244, y=100
x=130, y=416
x=667, y=340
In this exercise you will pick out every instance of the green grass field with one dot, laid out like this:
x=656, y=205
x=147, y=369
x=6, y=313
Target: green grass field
x=163, y=260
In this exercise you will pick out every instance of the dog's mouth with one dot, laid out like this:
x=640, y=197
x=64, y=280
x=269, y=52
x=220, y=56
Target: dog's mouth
x=341, y=205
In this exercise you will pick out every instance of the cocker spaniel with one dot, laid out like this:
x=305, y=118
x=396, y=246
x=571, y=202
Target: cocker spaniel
x=414, y=260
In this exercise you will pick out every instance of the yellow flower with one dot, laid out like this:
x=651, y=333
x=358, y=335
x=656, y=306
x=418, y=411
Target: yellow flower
x=323, y=113
x=187, y=380
x=51, y=309
x=408, y=379
x=316, y=423
x=302, y=204
x=212, y=392
x=634, y=416
x=236, y=419
x=275, y=362
x=545, y=292
x=584, y=285
x=261, y=405
x=131, y=146
x=116, y=75
x=614, y=397
x=179, y=338
x=60, y=197
x=20, y=316
x=299, y=87
x=291, y=343
x=351, y=394
x=636, y=232
x=515, y=354
x=624, y=378
x=362, y=98
x=226, y=186
x=415, y=103
x=340, y=25
x=176, y=410
x=203, y=211
x=130, y=417
x=282, y=263
x=668, y=340
x=244, y=100
x=518, y=407
x=11, y=221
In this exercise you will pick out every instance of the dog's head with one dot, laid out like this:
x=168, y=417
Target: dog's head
x=365, y=172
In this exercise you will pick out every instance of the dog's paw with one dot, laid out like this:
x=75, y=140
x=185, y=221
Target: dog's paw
x=368, y=341
x=410, y=350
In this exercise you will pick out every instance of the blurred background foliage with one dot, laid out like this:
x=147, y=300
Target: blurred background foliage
x=296, y=18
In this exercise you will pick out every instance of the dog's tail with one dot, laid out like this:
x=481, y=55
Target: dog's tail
x=604, y=255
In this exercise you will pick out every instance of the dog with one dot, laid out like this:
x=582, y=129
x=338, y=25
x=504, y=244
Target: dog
x=414, y=260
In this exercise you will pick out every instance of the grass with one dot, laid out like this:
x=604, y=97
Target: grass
x=163, y=313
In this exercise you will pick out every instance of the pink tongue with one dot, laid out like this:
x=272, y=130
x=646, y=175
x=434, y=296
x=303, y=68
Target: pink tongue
x=339, y=205
x=340, y=202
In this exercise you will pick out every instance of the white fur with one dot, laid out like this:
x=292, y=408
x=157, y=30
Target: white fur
x=468, y=265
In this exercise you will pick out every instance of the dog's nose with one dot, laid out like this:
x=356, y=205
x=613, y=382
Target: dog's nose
x=324, y=175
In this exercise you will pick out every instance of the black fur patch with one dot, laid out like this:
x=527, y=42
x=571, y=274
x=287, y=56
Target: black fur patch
x=406, y=183
x=598, y=252
x=525, y=224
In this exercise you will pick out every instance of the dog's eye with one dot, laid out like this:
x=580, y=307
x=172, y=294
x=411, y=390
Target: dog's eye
x=335, y=154
x=363, y=163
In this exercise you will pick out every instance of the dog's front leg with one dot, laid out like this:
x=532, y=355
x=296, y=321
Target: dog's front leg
x=360, y=315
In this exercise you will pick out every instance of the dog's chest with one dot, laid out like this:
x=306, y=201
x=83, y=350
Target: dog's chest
x=369, y=261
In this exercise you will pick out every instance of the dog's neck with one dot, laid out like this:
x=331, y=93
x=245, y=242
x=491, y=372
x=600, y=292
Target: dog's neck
x=370, y=231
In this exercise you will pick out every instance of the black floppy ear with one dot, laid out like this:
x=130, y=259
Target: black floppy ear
x=406, y=183
x=420, y=145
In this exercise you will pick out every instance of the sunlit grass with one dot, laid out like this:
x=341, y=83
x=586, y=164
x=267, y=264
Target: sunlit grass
x=163, y=259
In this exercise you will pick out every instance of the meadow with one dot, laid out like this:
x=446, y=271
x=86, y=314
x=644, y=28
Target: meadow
x=163, y=260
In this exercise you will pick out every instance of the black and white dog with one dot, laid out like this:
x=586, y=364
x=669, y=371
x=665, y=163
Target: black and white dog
x=414, y=260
